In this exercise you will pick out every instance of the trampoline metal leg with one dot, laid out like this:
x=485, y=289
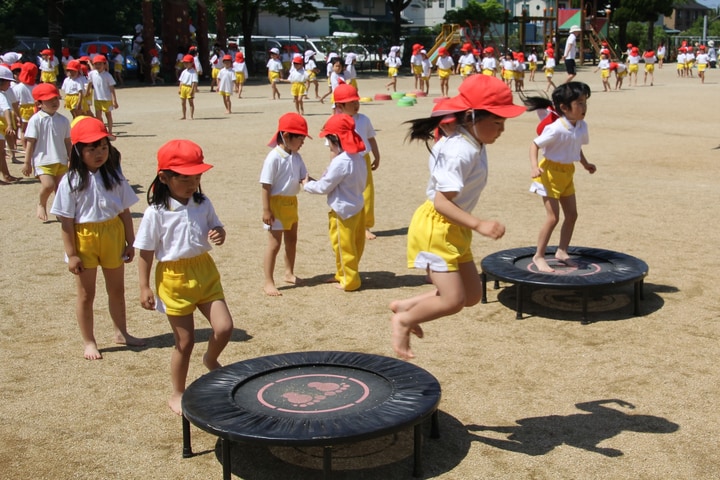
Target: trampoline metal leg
x=483, y=283
x=417, y=453
x=435, y=425
x=226, y=458
x=327, y=462
x=585, y=296
x=187, y=447
x=518, y=301
x=636, y=297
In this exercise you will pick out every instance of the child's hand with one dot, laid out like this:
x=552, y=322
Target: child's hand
x=536, y=172
x=590, y=167
x=217, y=236
x=75, y=264
x=491, y=228
x=128, y=254
x=147, y=298
x=27, y=168
x=268, y=218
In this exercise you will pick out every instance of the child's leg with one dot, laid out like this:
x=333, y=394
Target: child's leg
x=84, y=312
x=184, y=333
x=191, y=101
x=218, y=315
x=290, y=238
x=4, y=166
x=274, y=241
x=552, y=214
x=183, y=104
x=47, y=186
x=569, y=209
x=109, y=117
x=301, y=104
x=240, y=88
x=115, y=287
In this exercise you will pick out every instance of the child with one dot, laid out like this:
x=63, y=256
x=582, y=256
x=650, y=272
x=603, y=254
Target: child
x=650, y=59
x=216, y=62
x=226, y=82
x=155, y=67
x=241, y=73
x=445, y=66
x=103, y=88
x=6, y=124
x=620, y=70
x=425, y=74
x=298, y=78
x=416, y=65
x=347, y=101
x=177, y=229
x=393, y=63
x=440, y=233
x=23, y=92
x=519, y=65
x=48, y=144
x=508, y=68
x=488, y=65
x=15, y=118
x=350, y=72
x=343, y=182
x=282, y=172
x=47, y=66
x=633, y=64
x=329, y=69
x=337, y=75
x=604, y=67
x=312, y=71
x=92, y=202
x=561, y=143
x=275, y=71
x=532, y=64
x=549, y=68
x=118, y=64
x=466, y=62
x=187, y=86
x=702, y=61
x=74, y=87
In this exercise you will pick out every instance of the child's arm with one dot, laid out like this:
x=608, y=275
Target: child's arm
x=376, y=153
x=68, y=236
x=446, y=207
x=194, y=87
x=590, y=167
x=129, y=251
x=535, y=169
x=147, y=298
x=114, y=97
x=29, y=152
x=268, y=217
x=68, y=146
x=217, y=235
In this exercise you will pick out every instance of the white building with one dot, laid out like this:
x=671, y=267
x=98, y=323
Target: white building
x=429, y=13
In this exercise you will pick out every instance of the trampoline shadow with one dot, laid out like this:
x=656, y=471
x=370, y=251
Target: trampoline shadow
x=611, y=304
x=392, y=233
x=540, y=435
x=166, y=340
x=370, y=281
x=390, y=456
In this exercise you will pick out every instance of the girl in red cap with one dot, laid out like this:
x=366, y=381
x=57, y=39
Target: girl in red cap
x=48, y=65
x=155, y=67
x=7, y=128
x=241, y=73
x=118, y=65
x=633, y=62
x=343, y=182
x=93, y=203
x=445, y=66
x=23, y=92
x=187, y=86
x=102, y=85
x=74, y=88
x=532, y=64
x=226, y=82
x=177, y=229
x=298, y=77
x=440, y=233
x=650, y=60
x=282, y=172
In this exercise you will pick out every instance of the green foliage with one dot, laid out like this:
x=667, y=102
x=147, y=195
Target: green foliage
x=647, y=10
x=477, y=13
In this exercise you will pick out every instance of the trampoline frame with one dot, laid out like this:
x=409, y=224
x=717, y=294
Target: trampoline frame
x=415, y=391
x=626, y=270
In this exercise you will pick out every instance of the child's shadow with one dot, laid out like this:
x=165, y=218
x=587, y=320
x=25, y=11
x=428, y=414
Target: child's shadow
x=540, y=435
x=166, y=340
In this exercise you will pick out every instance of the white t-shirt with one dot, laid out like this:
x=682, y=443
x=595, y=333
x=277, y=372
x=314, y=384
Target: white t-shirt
x=570, y=47
x=178, y=232
x=72, y=86
x=445, y=63
x=364, y=128
x=188, y=77
x=101, y=82
x=343, y=182
x=94, y=203
x=51, y=132
x=226, y=80
x=562, y=142
x=283, y=171
x=23, y=93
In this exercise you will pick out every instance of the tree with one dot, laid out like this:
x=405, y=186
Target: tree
x=481, y=14
x=396, y=7
x=647, y=11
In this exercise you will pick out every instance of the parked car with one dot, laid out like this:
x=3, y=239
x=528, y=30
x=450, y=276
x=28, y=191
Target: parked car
x=365, y=59
x=130, y=65
x=74, y=40
x=30, y=47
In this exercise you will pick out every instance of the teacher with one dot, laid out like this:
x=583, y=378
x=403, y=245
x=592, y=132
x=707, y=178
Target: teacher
x=570, y=52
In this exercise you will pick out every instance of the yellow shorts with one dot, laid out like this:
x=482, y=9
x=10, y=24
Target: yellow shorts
x=347, y=237
x=297, y=89
x=101, y=244
x=605, y=73
x=467, y=70
x=155, y=69
x=353, y=82
x=224, y=94
x=701, y=67
x=681, y=66
x=519, y=75
x=27, y=110
x=488, y=72
x=436, y=243
x=556, y=181
x=214, y=73
x=87, y=102
x=650, y=68
x=549, y=72
x=48, y=77
x=117, y=67
x=392, y=72
x=444, y=72
x=184, y=284
x=507, y=74
x=186, y=91
x=417, y=69
x=54, y=170
x=285, y=210
x=532, y=67
x=312, y=76
x=239, y=77
x=103, y=105
x=273, y=77
x=3, y=127
x=633, y=68
x=72, y=100
x=622, y=74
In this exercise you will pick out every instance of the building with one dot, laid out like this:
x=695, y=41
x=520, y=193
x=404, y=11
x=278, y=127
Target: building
x=684, y=14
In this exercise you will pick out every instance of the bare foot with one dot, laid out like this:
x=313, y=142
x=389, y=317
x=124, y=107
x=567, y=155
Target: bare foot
x=271, y=290
x=11, y=179
x=294, y=280
x=129, y=340
x=339, y=286
x=542, y=264
x=370, y=235
x=175, y=403
x=41, y=213
x=92, y=352
x=211, y=365
x=401, y=338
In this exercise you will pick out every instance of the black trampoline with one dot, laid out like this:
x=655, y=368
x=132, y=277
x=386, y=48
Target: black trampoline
x=316, y=399
x=591, y=269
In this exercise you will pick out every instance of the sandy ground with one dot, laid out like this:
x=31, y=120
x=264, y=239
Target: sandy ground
x=543, y=398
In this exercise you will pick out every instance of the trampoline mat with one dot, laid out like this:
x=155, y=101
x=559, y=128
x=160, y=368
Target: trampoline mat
x=311, y=398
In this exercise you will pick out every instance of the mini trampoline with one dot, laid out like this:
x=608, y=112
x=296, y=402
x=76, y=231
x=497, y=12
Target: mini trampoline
x=591, y=269
x=316, y=399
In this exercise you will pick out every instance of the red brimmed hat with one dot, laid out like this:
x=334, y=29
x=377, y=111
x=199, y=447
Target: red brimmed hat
x=183, y=157
x=342, y=125
x=292, y=123
x=45, y=91
x=227, y=58
x=483, y=92
x=99, y=59
x=87, y=129
x=345, y=92
x=73, y=65
x=188, y=59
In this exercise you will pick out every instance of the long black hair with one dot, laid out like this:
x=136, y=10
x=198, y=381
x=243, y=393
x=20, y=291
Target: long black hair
x=563, y=94
x=109, y=171
x=423, y=129
x=159, y=193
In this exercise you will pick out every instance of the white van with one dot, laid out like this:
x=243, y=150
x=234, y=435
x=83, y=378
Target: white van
x=319, y=46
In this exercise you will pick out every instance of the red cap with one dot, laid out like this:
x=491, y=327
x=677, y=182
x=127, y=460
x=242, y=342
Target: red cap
x=291, y=123
x=47, y=51
x=188, y=59
x=84, y=58
x=227, y=58
x=16, y=66
x=73, y=65
x=297, y=58
x=45, y=91
x=92, y=49
x=550, y=52
x=183, y=157
x=649, y=54
x=115, y=50
x=442, y=51
x=483, y=92
x=87, y=130
x=28, y=73
x=99, y=59
x=343, y=126
x=344, y=93
x=239, y=57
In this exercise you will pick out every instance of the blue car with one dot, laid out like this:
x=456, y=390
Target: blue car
x=130, y=65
